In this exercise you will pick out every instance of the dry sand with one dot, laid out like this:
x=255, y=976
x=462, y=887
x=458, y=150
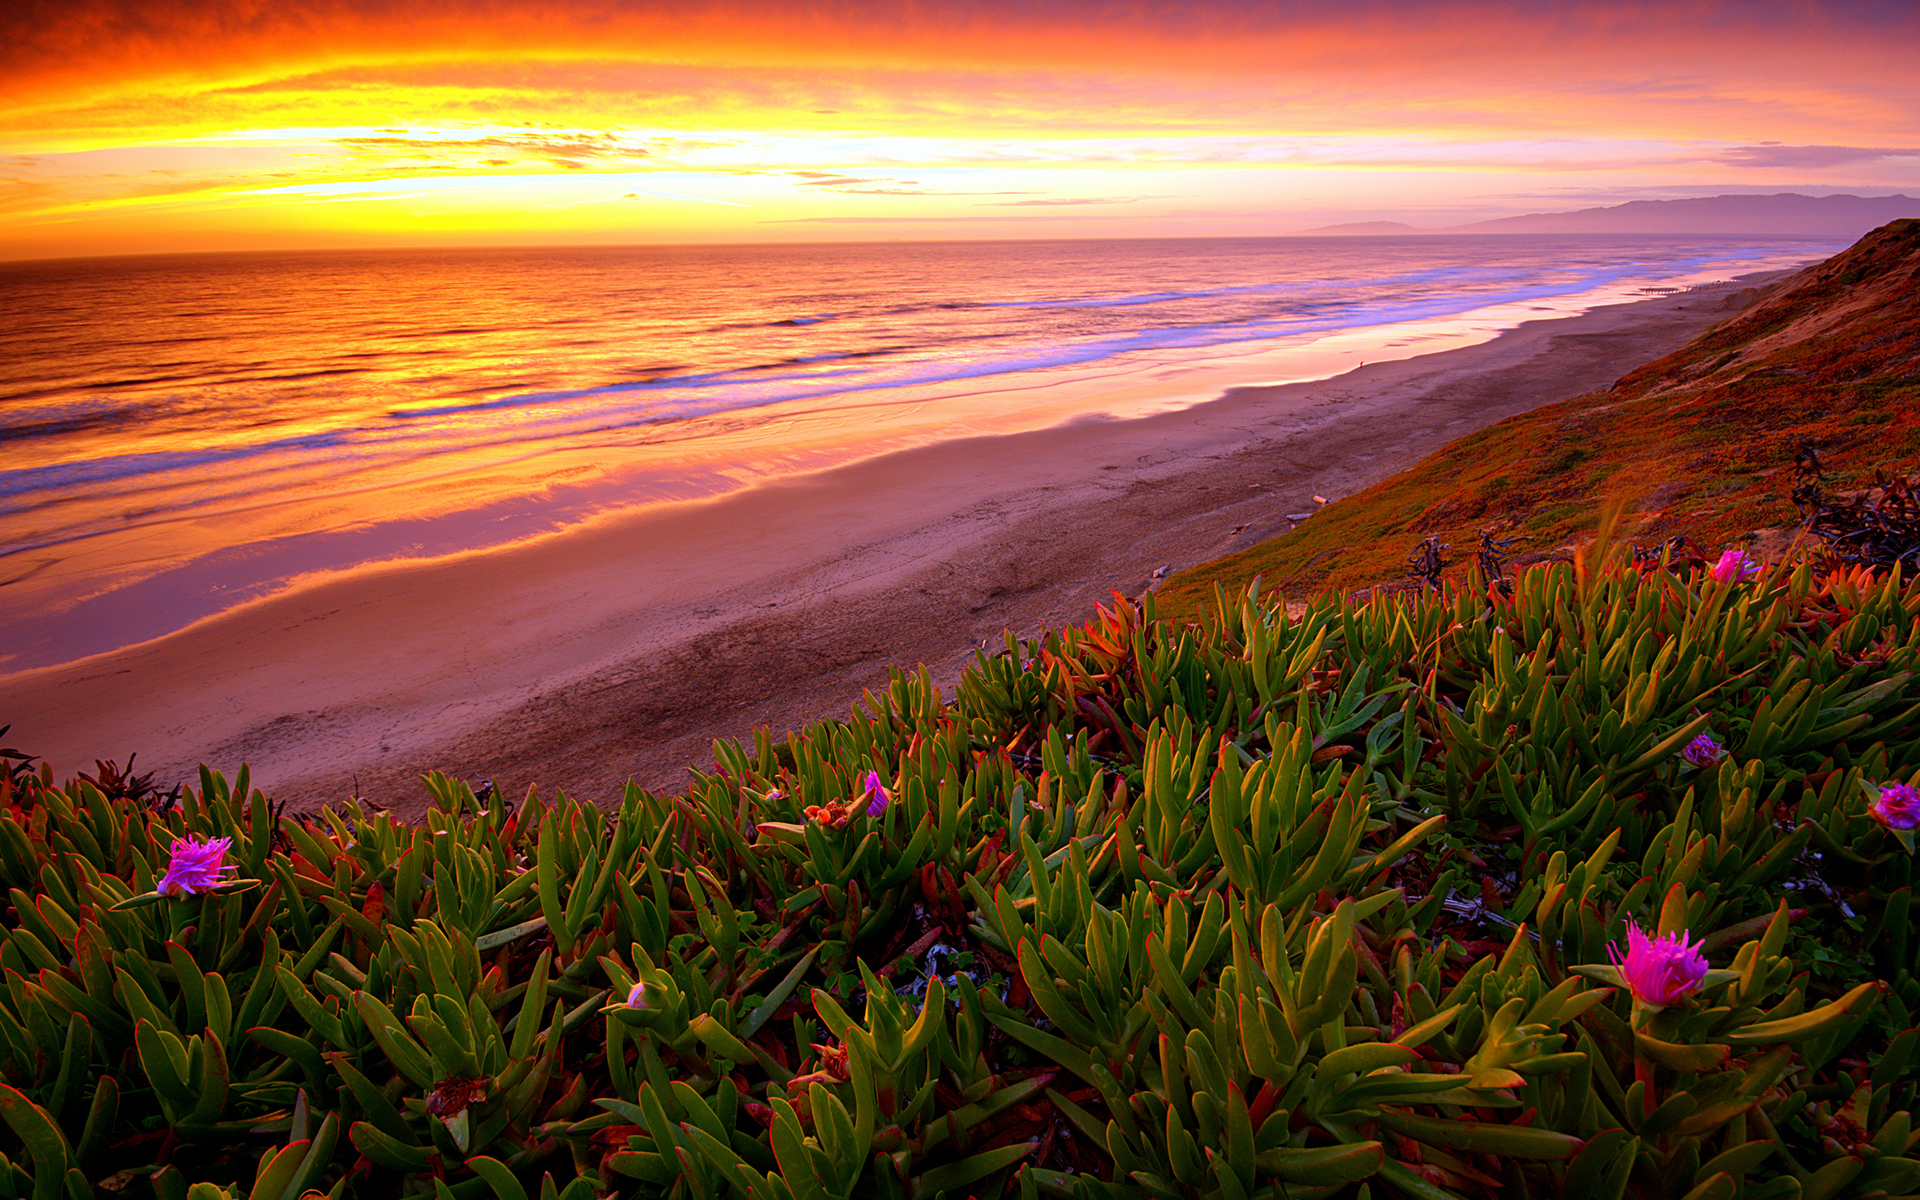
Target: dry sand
x=564, y=663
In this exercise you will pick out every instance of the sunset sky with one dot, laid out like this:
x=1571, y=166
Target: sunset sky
x=130, y=126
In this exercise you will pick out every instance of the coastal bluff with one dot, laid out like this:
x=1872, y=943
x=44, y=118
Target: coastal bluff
x=1700, y=443
x=559, y=663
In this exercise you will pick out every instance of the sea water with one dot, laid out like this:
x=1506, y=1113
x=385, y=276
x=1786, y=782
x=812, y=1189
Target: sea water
x=182, y=433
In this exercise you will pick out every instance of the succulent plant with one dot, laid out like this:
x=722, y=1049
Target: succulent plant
x=1268, y=905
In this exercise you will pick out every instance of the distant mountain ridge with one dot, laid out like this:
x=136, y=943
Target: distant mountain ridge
x=1367, y=229
x=1839, y=215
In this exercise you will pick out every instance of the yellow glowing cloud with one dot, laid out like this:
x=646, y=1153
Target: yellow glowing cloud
x=330, y=120
x=1255, y=67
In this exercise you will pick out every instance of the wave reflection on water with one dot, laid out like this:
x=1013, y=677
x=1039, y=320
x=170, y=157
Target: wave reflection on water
x=185, y=432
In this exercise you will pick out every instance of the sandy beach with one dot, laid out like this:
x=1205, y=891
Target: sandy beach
x=561, y=663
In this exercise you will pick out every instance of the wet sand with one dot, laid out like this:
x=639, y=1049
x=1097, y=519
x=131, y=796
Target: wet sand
x=565, y=663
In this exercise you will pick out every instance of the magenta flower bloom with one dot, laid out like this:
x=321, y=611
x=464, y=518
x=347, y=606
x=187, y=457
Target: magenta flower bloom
x=1660, y=970
x=1733, y=566
x=1897, y=807
x=878, y=797
x=194, y=866
x=1703, y=751
x=637, y=997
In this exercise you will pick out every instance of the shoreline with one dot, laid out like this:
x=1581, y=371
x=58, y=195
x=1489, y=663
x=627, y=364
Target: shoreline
x=556, y=662
x=145, y=565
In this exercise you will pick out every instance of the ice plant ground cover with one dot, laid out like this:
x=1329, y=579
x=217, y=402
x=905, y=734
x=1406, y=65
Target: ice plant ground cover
x=1264, y=906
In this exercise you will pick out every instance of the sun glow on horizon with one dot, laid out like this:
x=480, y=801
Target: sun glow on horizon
x=1238, y=121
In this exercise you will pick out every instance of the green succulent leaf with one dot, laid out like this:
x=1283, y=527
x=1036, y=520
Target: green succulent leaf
x=1322, y=1165
x=389, y=1151
x=953, y=1176
x=1806, y=1024
x=1483, y=1137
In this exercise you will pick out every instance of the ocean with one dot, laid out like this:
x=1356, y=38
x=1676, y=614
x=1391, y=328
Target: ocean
x=182, y=433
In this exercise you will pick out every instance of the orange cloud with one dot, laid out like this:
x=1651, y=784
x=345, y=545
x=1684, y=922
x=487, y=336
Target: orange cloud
x=1282, y=63
x=318, y=116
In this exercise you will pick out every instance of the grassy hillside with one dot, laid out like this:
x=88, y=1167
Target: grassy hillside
x=1698, y=444
x=1322, y=906
x=1602, y=887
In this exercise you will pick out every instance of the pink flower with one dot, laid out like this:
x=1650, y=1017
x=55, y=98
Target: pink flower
x=637, y=996
x=1703, y=751
x=1660, y=970
x=194, y=866
x=1733, y=566
x=1898, y=806
x=877, y=795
